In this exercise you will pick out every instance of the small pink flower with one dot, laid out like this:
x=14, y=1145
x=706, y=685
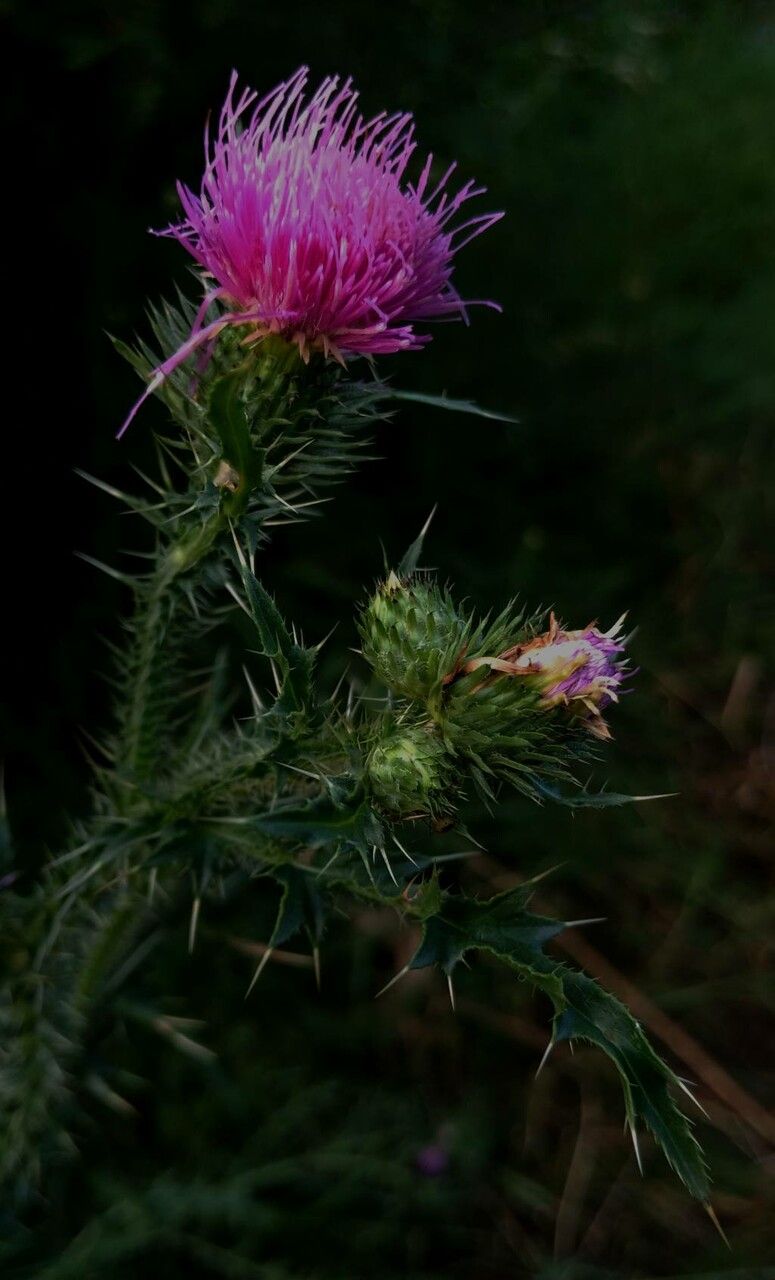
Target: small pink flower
x=581, y=669
x=305, y=226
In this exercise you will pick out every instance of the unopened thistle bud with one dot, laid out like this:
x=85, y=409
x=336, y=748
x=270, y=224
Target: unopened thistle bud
x=409, y=774
x=412, y=634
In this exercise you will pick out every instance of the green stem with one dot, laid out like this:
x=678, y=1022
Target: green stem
x=141, y=740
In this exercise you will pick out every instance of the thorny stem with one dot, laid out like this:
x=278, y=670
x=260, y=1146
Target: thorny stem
x=139, y=748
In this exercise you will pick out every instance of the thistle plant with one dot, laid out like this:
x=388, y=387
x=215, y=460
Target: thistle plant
x=315, y=253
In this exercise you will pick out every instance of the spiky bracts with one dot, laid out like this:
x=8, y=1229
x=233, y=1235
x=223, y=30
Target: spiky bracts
x=412, y=635
x=410, y=773
x=479, y=691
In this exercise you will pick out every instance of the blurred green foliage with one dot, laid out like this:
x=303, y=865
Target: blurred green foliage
x=633, y=149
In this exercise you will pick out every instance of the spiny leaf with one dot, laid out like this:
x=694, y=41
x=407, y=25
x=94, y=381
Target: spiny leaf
x=591, y=1014
x=584, y=799
x=583, y=1010
x=294, y=662
x=302, y=905
x=322, y=822
x=454, y=406
x=501, y=926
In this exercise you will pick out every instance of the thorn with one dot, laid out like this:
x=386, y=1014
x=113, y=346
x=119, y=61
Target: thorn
x=427, y=524
x=106, y=568
x=237, y=547
x=306, y=773
x=711, y=1212
x=316, y=965
x=367, y=867
x=403, y=850
x=636, y=1146
x=233, y=592
x=102, y=1090
x=542, y=875
x=277, y=683
x=465, y=832
x=451, y=990
x=290, y=457
x=682, y=1085
x=320, y=644
x=386, y=861
x=322, y=870
x=259, y=970
x=72, y=853
x=255, y=698
x=339, y=684
x=401, y=973
x=662, y=795
x=576, y=924
x=193, y=924
x=544, y=1059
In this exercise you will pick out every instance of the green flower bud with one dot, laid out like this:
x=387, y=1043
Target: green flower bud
x=409, y=773
x=412, y=635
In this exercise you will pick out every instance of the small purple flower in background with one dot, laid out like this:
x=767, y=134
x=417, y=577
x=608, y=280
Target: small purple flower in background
x=305, y=226
x=579, y=669
x=432, y=1161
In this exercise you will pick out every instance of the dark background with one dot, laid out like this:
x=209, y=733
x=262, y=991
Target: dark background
x=633, y=149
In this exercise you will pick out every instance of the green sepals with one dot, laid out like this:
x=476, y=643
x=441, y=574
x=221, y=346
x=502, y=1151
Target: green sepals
x=499, y=729
x=504, y=927
x=426, y=649
x=263, y=432
x=496, y=723
x=413, y=635
x=409, y=772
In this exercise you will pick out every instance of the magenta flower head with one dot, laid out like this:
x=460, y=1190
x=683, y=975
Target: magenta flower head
x=307, y=227
x=582, y=670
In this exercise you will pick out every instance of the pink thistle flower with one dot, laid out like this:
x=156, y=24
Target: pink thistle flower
x=306, y=227
x=582, y=670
